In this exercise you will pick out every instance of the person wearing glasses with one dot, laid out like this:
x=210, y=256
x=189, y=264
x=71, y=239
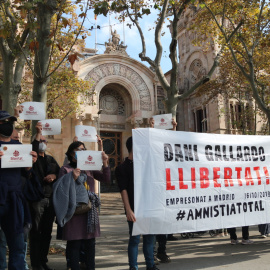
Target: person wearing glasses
x=81, y=230
x=46, y=169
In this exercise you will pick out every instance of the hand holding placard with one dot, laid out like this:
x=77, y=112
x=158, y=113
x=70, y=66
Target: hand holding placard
x=89, y=160
x=16, y=155
x=32, y=111
x=163, y=121
x=51, y=126
x=86, y=133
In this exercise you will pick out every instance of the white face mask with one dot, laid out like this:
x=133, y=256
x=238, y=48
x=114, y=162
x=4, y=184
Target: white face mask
x=42, y=147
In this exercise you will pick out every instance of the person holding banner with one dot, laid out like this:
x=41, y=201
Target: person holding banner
x=264, y=229
x=82, y=229
x=13, y=210
x=245, y=236
x=162, y=239
x=124, y=175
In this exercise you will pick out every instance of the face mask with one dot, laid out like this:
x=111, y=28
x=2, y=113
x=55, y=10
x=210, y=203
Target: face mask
x=42, y=147
x=6, y=129
x=76, y=156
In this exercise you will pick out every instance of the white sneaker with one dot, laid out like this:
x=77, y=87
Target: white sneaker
x=234, y=242
x=263, y=236
x=247, y=242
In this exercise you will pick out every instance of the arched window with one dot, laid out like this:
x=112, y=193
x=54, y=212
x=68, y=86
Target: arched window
x=111, y=102
x=196, y=71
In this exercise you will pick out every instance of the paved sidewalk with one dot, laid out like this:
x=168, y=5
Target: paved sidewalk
x=203, y=252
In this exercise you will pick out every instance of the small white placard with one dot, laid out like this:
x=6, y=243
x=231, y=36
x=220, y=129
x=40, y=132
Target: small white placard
x=89, y=160
x=33, y=111
x=16, y=155
x=163, y=121
x=51, y=126
x=86, y=133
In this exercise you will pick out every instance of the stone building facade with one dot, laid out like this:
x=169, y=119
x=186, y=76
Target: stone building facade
x=125, y=98
x=197, y=113
x=127, y=94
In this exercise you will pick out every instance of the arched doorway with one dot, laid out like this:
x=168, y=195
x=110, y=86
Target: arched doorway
x=116, y=105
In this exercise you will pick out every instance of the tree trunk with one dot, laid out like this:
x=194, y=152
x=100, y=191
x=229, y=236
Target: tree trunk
x=9, y=89
x=171, y=103
x=268, y=118
x=42, y=55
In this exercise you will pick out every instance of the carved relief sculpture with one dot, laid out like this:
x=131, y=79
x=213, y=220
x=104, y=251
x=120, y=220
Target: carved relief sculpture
x=99, y=72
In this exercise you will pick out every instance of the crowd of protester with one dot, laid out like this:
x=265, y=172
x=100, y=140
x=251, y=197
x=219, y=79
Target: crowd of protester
x=31, y=199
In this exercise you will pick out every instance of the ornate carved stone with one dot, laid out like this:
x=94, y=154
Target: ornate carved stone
x=196, y=71
x=113, y=46
x=115, y=37
x=137, y=122
x=187, y=41
x=110, y=69
x=111, y=103
x=80, y=117
x=112, y=126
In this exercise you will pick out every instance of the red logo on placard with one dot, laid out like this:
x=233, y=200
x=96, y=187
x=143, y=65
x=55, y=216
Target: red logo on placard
x=85, y=131
x=16, y=153
x=31, y=108
x=90, y=158
x=47, y=125
x=162, y=120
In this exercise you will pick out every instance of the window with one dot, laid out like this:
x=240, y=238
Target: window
x=200, y=120
x=241, y=116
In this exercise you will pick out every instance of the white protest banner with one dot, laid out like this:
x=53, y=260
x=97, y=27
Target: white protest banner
x=89, y=160
x=33, y=111
x=187, y=182
x=163, y=121
x=51, y=126
x=86, y=133
x=16, y=155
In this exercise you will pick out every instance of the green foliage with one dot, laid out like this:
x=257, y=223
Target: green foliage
x=20, y=40
x=246, y=59
x=63, y=93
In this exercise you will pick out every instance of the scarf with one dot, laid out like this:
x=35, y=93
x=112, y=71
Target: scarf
x=92, y=219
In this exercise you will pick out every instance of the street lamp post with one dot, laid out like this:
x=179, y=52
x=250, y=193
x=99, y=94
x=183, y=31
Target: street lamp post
x=98, y=132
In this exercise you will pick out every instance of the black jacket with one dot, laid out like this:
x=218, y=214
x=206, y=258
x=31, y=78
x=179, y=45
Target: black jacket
x=44, y=166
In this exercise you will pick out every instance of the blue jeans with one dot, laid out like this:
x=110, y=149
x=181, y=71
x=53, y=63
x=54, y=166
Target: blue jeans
x=26, y=267
x=15, y=242
x=133, y=244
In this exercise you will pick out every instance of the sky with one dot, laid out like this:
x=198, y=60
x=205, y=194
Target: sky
x=132, y=37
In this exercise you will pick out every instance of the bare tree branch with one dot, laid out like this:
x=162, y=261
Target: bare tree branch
x=76, y=38
x=173, y=52
x=54, y=38
x=24, y=36
x=223, y=15
x=260, y=16
x=27, y=61
x=158, y=32
x=11, y=17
